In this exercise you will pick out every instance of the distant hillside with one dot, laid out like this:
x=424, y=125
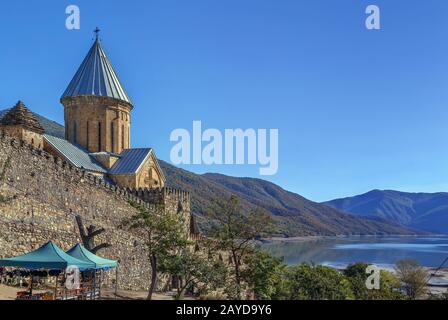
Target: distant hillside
x=424, y=211
x=295, y=215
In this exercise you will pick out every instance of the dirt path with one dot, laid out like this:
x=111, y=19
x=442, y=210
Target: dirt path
x=10, y=293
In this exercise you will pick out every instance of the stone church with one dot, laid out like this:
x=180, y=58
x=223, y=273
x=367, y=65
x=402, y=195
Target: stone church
x=51, y=174
x=96, y=136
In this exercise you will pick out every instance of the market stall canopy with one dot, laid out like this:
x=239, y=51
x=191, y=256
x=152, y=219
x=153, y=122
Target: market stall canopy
x=81, y=253
x=49, y=256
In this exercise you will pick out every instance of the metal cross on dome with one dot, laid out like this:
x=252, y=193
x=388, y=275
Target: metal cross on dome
x=97, y=32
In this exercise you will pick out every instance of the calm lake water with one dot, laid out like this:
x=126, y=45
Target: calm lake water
x=383, y=251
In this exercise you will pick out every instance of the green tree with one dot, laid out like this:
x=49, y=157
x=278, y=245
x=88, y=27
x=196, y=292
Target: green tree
x=390, y=287
x=263, y=274
x=356, y=274
x=310, y=282
x=389, y=284
x=164, y=236
x=234, y=233
x=413, y=277
x=199, y=270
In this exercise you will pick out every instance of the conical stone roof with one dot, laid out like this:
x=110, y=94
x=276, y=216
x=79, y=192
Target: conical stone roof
x=20, y=115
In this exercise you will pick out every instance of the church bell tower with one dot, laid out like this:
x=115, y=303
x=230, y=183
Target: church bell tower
x=97, y=109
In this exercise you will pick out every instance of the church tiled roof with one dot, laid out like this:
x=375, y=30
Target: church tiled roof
x=130, y=161
x=74, y=154
x=20, y=115
x=54, y=135
x=96, y=77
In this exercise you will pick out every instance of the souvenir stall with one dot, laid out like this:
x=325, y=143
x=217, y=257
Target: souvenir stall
x=92, y=279
x=51, y=261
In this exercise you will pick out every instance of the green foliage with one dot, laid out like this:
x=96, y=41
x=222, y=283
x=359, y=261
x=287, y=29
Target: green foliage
x=263, y=274
x=310, y=282
x=390, y=287
x=164, y=232
x=199, y=271
x=246, y=269
x=164, y=236
x=234, y=233
x=413, y=277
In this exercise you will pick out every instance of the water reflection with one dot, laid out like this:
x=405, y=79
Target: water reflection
x=429, y=251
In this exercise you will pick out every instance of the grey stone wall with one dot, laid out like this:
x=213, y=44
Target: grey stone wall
x=40, y=196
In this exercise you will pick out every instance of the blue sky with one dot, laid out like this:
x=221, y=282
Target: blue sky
x=356, y=109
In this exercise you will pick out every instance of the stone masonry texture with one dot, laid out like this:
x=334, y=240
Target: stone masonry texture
x=40, y=196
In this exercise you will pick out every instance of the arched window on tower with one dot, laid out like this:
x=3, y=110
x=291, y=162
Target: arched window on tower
x=122, y=136
x=74, y=132
x=99, y=136
x=112, y=144
x=87, y=137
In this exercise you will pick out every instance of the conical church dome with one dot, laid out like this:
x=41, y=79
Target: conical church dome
x=96, y=77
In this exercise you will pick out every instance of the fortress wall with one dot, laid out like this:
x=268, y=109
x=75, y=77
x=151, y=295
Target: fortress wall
x=40, y=196
x=174, y=201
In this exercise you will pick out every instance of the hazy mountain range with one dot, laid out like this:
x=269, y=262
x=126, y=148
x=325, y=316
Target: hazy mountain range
x=423, y=211
x=294, y=215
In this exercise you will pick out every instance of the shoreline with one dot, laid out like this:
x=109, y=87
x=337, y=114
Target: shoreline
x=311, y=238
x=438, y=282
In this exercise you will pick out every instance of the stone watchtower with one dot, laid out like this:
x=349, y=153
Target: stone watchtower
x=97, y=109
x=21, y=123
